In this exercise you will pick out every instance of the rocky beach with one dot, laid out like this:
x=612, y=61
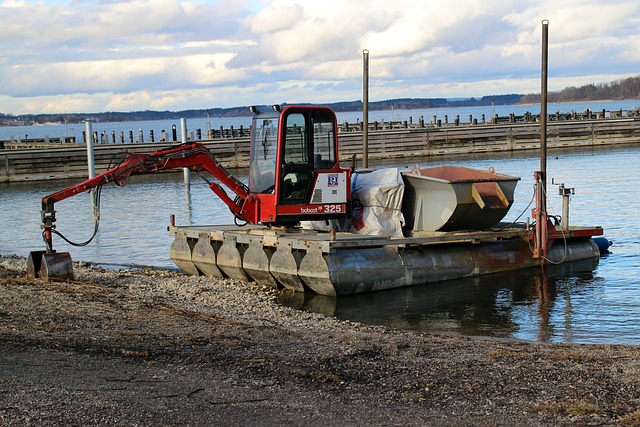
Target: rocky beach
x=153, y=347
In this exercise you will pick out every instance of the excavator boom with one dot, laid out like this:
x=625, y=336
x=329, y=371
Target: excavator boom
x=49, y=264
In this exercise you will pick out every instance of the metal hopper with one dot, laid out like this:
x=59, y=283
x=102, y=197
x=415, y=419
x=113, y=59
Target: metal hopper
x=451, y=198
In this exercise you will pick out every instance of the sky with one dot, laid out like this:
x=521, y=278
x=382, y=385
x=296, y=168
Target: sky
x=111, y=55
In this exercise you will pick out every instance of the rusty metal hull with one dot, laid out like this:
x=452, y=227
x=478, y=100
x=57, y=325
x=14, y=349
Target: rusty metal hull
x=346, y=263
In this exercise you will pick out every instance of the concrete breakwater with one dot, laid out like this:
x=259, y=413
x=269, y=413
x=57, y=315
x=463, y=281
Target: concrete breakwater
x=388, y=140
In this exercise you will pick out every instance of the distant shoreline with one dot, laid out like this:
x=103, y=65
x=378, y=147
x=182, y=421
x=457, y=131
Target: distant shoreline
x=64, y=120
x=620, y=90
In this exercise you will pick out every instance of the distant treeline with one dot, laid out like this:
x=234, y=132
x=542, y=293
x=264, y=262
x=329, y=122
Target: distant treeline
x=399, y=104
x=421, y=103
x=628, y=88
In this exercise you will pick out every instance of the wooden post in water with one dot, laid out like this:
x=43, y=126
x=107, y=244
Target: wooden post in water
x=365, y=109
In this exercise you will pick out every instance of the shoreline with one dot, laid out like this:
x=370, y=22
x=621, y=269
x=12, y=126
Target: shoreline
x=176, y=113
x=154, y=347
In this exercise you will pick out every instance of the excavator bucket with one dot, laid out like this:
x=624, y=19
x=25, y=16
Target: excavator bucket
x=50, y=266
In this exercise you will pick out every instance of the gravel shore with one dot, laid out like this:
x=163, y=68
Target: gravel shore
x=153, y=347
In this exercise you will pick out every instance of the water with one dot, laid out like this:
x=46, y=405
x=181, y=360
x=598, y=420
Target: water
x=554, y=307
x=580, y=305
x=76, y=130
x=133, y=218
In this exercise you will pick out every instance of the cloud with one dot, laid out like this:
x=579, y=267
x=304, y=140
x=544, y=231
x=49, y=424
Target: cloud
x=173, y=54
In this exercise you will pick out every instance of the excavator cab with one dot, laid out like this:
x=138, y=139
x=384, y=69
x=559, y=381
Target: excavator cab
x=294, y=169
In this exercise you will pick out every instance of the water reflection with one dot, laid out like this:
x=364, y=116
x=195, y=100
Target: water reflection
x=188, y=211
x=497, y=305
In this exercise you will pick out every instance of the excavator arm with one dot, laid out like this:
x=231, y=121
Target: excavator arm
x=49, y=264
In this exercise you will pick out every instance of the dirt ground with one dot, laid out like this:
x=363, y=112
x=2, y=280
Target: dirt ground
x=159, y=348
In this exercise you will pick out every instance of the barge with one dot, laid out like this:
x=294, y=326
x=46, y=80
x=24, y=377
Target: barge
x=311, y=225
x=419, y=227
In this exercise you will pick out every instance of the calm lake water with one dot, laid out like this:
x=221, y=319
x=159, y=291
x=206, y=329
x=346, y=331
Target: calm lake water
x=581, y=304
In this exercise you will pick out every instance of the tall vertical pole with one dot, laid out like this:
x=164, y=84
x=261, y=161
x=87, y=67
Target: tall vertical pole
x=183, y=135
x=542, y=233
x=543, y=111
x=365, y=109
x=88, y=132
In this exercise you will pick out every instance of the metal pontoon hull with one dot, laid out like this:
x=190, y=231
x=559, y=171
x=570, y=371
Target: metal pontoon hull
x=349, y=263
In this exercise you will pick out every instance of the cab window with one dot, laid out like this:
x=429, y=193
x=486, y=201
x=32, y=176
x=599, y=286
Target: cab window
x=264, y=145
x=324, y=144
x=297, y=170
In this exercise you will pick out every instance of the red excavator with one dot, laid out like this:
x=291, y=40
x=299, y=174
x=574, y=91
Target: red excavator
x=294, y=175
